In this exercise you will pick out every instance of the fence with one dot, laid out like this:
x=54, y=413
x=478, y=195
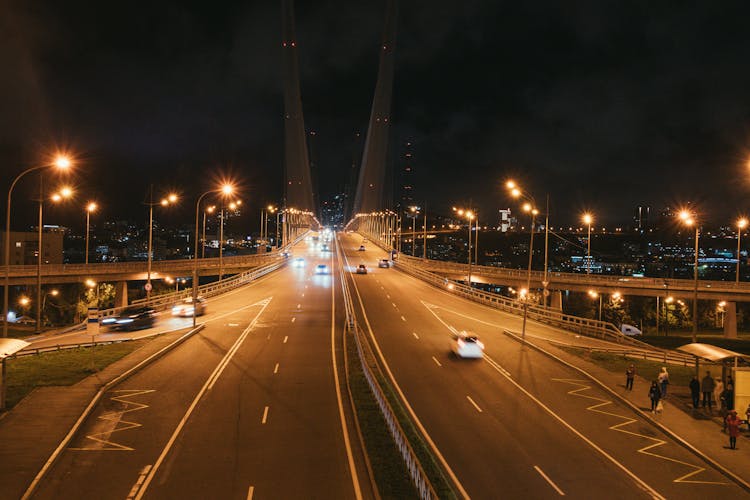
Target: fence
x=369, y=364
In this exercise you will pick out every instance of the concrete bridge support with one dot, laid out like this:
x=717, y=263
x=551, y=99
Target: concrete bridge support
x=121, y=294
x=730, y=320
x=556, y=300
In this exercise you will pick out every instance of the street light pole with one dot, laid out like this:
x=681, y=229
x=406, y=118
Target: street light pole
x=587, y=219
x=221, y=242
x=39, y=259
x=89, y=208
x=61, y=162
x=695, y=288
x=741, y=224
x=545, y=281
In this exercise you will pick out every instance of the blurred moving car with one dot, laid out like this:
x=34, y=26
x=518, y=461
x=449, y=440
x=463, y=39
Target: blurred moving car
x=361, y=269
x=325, y=248
x=185, y=308
x=361, y=248
x=321, y=269
x=467, y=345
x=131, y=318
x=384, y=263
x=298, y=262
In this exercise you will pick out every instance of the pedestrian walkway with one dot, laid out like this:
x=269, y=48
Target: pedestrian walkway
x=33, y=429
x=697, y=427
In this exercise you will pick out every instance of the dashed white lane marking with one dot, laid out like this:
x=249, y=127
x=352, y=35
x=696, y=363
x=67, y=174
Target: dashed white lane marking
x=299, y=306
x=388, y=296
x=393, y=304
x=303, y=294
x=139, y=482
x=294, y=319
x=250, y=492
x=276, y=368
x=541, y=473
x=286, y=338
x=403, y=319
x=415, y=335
x=473, y=403
x=233, y=324
x=436, y=361
x=265, y=416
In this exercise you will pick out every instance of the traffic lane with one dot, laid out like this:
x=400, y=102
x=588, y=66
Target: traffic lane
x=140, y=411
x=551, y=382
x=665, y=465
x=467, y=413
x=273, y=411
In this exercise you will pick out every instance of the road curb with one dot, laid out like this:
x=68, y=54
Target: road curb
x=726, y=472
x=92, y=404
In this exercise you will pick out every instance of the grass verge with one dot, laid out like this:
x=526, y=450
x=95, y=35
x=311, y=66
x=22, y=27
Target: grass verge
x=391, y=475
x=616, y=363
x=61, y=368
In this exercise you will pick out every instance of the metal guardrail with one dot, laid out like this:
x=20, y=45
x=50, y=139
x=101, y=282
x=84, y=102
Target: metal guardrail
x=161, y=302
x=33, y=351
x=418, y=476
x=584, y=326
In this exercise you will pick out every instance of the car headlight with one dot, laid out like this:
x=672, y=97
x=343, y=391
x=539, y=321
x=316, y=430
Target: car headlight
x=124, y=321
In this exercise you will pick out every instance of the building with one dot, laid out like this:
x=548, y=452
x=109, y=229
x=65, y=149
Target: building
x=507, y=221
x=406, y=179
x=24, y=246
x=641, y=218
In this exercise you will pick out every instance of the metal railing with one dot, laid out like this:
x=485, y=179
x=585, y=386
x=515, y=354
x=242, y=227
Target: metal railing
x=369, y=365
x=584, y=326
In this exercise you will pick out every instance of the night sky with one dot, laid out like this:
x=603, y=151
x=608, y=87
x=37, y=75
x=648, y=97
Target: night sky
x=602, y=105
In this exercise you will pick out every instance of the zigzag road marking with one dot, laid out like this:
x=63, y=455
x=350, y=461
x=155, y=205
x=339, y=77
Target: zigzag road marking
x=627, y=421
x=102, y=438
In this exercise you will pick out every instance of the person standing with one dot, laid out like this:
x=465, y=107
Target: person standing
x=695, y=391
x=707, y=386
x=733, y=426
x=718, y=390
x=663, y=381
x=629, y=377
x=654, y=394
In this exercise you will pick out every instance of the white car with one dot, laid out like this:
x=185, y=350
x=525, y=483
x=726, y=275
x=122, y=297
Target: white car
x=321, y=269
x=298, y=262
x=185, y=308
x=467, y=345
x=362, y=269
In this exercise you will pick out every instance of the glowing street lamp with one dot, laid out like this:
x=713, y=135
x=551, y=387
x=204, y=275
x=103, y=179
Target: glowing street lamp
x=470, y=216
x=588, y=219
x=61, y=162
x=170, y=199
x=226, y=189
x=91, y=207
x=741, y=224
x=688, y=219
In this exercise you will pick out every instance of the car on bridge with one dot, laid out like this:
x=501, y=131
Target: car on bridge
x=384, y=263
x=131, y=318
x=467, y=345
x=298, y=262
x=361, y=248
x=362, y=269
x=322, y=269
x=185, y=308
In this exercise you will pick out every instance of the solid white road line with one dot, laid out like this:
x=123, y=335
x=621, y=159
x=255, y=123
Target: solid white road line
x=286, y=338
x=436, y=361
x=250, y=492
x=265, y=416
x=139, y=482
x=415, y=335
x=430, y=442
x=541, y=473
x=294, y=319
x=276, y=368
x=209, y=383
x=339, y=401
x=475, y=405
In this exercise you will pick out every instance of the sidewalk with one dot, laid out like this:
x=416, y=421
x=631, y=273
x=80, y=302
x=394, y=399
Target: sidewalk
x=697, y=427
x=33, y=429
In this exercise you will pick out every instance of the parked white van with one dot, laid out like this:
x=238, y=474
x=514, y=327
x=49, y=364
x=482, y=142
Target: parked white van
x=629, y=330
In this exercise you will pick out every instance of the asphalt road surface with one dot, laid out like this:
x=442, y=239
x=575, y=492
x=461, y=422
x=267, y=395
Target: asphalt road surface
x=246, y=408
x=516, y=424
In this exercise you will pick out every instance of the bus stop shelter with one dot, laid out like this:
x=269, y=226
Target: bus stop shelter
x=732, y=363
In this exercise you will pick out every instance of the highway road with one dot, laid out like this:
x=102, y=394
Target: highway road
x=249, y=407
x=516, y=424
